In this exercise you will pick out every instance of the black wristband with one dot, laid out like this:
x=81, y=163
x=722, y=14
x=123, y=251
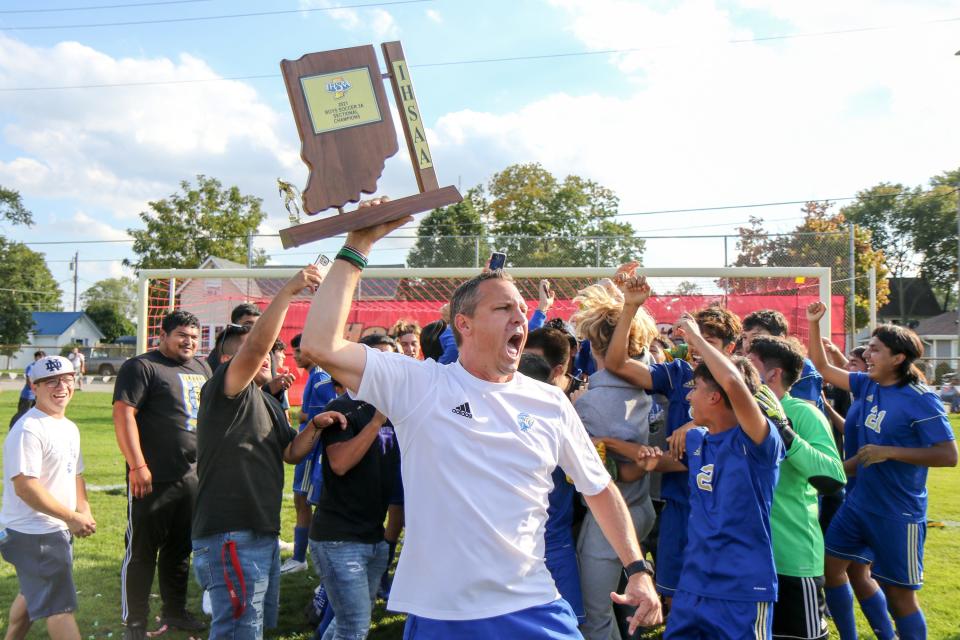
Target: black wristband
x=638, y=566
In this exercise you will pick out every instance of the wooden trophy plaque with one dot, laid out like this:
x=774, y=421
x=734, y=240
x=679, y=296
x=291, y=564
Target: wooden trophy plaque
x=341, y=110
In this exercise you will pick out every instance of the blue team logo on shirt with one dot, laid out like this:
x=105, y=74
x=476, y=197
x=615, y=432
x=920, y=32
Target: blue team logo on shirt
x=525, y=422
x=190, y=385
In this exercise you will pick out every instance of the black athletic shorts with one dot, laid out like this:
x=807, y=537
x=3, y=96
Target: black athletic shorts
x=800, y=610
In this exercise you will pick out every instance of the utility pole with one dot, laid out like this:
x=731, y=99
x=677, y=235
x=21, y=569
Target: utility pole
x=75, y=267
x=853, y=289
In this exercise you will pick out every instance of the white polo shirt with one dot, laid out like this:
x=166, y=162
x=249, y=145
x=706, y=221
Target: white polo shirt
x=477, y=458
x=48, y=449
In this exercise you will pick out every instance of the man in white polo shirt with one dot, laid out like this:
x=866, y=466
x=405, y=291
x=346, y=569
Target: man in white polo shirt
x=479, y=444
x=44, y=502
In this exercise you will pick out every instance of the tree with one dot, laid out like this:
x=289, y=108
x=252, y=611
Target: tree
x=535, y=218
x=453, y=236
x=542, y=221
x=915, y=229
x=688, y=288
x=183, y=230
x=27, y=285
x=821, y=240
x=111, y=322
x=11, y=207
x=118, y=294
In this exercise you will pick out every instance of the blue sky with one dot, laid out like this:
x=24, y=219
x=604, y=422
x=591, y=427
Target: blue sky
x=684, y=119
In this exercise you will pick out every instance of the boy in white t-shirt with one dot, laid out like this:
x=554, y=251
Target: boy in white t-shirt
x=44, y=504
x=479, y=443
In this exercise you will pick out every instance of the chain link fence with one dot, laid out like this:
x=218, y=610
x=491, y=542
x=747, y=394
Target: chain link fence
x=833, y=249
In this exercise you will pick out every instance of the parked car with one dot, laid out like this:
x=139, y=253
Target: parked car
x=105, y=359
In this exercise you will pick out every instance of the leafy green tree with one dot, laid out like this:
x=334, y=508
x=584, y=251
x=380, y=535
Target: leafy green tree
x=542, y=221
x=453, y=236
x=12, y=209
x=112, y=323
x=915, y=228
x=206, y=220
x=821, y=240
x=118, y=294
x=26, y=285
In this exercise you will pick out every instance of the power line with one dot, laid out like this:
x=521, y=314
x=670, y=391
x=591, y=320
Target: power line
x=28, y=291
x=257, y=14
x=424, y=65
x=928, y=194
x=102, y=6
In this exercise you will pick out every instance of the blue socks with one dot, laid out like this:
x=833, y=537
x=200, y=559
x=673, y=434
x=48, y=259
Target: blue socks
x=300, y=543
x=875, y=610
x=912, y=627
x=840, y=602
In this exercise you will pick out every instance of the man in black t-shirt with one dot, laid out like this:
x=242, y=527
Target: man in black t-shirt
x=243, y=440
x=360, y=472
x=155, y=402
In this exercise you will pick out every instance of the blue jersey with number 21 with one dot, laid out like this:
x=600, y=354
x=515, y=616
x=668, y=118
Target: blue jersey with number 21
x=908, y=416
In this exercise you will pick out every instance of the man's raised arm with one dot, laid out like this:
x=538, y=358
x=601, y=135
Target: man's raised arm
x=322, y=340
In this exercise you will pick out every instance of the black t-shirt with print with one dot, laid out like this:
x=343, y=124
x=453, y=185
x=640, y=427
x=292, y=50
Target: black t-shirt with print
x=240, y=443
x=166, y=395
x=352, y=507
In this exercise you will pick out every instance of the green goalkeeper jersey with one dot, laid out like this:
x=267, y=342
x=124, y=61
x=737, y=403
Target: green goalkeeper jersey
x=797, y=539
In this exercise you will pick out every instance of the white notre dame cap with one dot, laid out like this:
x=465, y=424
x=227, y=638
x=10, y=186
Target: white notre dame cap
x=49, y=367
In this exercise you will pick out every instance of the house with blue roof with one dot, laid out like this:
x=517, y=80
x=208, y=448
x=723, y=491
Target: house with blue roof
x=53, y=330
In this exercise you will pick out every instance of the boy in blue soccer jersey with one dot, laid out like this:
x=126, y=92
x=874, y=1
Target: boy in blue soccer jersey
x=902, y=431
x=720, y=328
x=728, y=583
x=769, y=322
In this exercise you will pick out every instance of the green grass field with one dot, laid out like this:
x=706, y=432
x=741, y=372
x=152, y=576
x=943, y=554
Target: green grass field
x=97, y=559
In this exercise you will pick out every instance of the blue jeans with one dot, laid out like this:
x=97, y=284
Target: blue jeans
x=259, y=560
x=350, y=572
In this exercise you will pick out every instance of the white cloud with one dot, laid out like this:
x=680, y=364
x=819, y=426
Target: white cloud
x=117, y=148
x=708, y=123
x=434, y=16
x=379, y=22
x=81, y=225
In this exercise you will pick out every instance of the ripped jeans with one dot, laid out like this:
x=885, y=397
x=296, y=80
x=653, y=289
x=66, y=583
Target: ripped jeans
x=258, y=561
x=350, y=572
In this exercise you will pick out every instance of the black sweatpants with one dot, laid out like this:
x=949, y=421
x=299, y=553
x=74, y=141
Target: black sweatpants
x=158, y=537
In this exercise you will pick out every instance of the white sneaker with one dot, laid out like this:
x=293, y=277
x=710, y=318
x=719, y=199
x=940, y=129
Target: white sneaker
x=286, y=547
x=293, y=566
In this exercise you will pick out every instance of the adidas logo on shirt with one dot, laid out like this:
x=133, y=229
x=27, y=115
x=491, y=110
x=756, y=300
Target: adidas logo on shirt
x=463, y=410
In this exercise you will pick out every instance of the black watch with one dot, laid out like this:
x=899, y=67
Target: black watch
x=639, y=566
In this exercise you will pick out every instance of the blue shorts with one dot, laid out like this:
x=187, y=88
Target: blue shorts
x=694, y=617
x=303, y=470
x=894, y=547
x=554, y=621
x=671, y=545
x=44, y=565
x=561, y=561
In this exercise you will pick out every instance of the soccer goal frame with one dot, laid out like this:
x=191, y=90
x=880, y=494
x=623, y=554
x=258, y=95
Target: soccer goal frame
x=173, y=276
